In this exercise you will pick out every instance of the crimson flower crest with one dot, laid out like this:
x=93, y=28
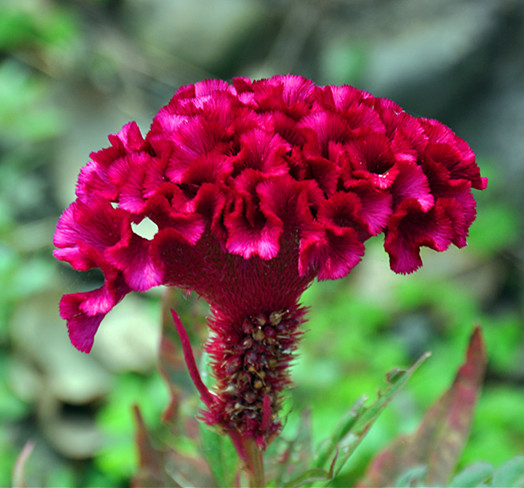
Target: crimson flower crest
x=257, y=188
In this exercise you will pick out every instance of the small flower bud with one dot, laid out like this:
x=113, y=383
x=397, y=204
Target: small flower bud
x=261, y=319
x=258, y=335
x=273, y=363
x=232, y=365
x=247, y=327
x=251, y=358
x=250, y=397
x=269, y=332
x=243, y=378
x=276, y=317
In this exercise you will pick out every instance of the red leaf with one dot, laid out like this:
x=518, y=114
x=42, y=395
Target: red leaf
x=172, y=365
x=151, y=462
x=166, y=468
x=440, y=439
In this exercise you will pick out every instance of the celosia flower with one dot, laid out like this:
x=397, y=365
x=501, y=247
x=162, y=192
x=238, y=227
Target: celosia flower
x=256, y=189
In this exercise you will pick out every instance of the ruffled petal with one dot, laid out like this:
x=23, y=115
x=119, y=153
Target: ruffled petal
x=84, y=311
x=192, y=140
x=262, y=151
x=81, y=257
x=323, y=171
x=371, y=154
x=133, y=258
x=251, y=232
x=82, y=327
x=170, y=207
x=129, y=138
x=82, y=227
x=342, y=210
x=376, y=205
x=410, y=228
x=209, y=203
x=290, y=94
x=93, y=180
x=328, y=128
x=443, y=146
x=212, y=167
x=412, y=183
x=341, y=98
x=331, y=252
x=259, y=240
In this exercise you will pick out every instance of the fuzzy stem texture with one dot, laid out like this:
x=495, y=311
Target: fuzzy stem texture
x=250, y=362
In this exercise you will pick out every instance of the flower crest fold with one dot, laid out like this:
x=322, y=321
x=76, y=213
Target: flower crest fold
x=261, y=186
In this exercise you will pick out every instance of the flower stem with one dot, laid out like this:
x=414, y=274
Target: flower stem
x=255, y=464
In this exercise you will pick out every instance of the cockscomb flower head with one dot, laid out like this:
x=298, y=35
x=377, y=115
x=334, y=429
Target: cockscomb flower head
x=257, y=188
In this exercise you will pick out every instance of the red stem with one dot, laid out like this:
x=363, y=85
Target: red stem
x=206, y=396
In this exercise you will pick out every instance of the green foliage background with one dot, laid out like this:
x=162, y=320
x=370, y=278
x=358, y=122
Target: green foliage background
x=72, y=72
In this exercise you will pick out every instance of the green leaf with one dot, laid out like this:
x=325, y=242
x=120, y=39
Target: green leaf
x=355, y=424
x=510, y=474
x=220, y=455
x=474, y=475
x=312, y=475
x=412, y=477
x=309, y=476
x=439, y=441
x=342, y=430
x=287, y=457
x=151, y=462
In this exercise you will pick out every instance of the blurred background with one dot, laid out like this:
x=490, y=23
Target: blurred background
x=72, y=72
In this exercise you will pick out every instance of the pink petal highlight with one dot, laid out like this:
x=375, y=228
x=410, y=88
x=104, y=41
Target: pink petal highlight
x=376, y=206
x=411, y=182
x=133, y=258
x=258, y=236
x=262, y=151
x=84, y=312
x=332, y=252
x=251, y=231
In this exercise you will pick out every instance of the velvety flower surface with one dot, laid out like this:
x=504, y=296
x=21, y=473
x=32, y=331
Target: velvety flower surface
x=257, y=188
